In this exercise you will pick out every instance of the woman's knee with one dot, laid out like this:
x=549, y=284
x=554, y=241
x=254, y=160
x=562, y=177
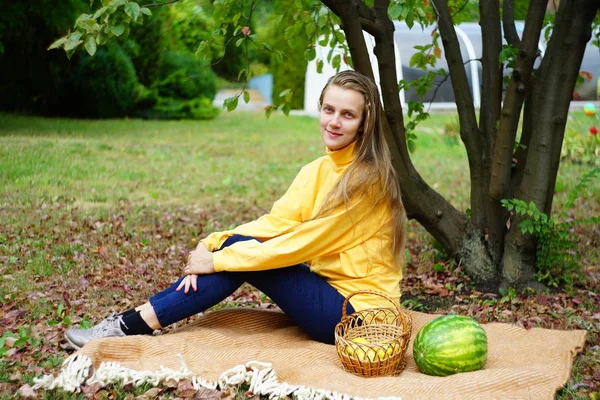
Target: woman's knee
x=234, y=239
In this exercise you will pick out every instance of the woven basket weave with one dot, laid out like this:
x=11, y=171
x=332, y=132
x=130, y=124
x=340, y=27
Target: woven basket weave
x=387, y=332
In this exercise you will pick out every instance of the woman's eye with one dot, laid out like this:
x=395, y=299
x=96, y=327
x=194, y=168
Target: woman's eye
x=349, y=115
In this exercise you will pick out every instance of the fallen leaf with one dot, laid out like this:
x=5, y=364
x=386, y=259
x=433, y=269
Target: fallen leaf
x=208, y=394
x=27, y=392
x=153, y=392
x=90, y=390
x=12, y=316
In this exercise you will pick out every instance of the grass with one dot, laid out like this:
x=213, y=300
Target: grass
x=96, y=215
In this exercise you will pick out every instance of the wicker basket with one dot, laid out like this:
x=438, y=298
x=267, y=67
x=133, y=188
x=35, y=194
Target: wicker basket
x=387, y=331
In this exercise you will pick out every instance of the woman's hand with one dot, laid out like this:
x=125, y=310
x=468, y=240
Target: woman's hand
x=200, y=261
x=189, y=280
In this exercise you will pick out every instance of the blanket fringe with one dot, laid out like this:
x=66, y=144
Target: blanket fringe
x=77, y=370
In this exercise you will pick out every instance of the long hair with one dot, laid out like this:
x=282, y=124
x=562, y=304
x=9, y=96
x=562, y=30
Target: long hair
x=371, y=173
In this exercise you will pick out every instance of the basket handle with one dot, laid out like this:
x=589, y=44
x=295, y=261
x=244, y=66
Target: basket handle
x=368, y=291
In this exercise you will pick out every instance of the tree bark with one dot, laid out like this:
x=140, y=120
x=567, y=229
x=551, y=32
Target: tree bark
x=491, y=98
x=553, y=93
x=508, y=23
x=501, y=163
x=474, y=252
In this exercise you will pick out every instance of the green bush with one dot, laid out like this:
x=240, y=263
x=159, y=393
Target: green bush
x=580, y=146
x=184, y=89
x=183, y=76
x=148, y=43
x=167, y=108
x=33, y=79
x=557, y=259
x=105, y=85
x=289, y=71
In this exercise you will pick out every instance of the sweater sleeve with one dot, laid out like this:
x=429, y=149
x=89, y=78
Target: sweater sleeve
x=284, y=216
x=339, y=231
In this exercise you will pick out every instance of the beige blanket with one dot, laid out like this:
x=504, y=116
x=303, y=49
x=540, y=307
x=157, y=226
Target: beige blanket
x=522, y=364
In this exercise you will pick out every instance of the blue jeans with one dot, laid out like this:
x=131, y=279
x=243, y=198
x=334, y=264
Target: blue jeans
x=306, y=298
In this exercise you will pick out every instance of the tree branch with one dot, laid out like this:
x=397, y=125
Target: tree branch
x=552, y=92
x=370, y=27
x=445, y=223
x=508, y=23
x=347, y=11
x=491, y=99
x=365, y=12
x=469, y=131
x=160, y=4
x=513, y=102
x=460, y=84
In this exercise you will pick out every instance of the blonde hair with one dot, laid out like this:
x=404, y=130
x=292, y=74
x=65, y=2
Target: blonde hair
x=372, y=167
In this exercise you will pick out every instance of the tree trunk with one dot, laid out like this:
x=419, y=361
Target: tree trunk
x=551, y=97
x=544, y=94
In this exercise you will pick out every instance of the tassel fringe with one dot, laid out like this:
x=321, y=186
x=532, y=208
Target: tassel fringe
x=78, y=370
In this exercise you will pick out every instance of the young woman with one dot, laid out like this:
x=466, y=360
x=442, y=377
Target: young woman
x=339, y=228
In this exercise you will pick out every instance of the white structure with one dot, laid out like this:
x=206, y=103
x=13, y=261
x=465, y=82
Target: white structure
x=405, y=39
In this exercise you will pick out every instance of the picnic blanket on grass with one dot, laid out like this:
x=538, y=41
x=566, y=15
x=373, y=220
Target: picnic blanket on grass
x=265, y=349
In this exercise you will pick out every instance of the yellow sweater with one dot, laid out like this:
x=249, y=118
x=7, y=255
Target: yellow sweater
x=351, y=248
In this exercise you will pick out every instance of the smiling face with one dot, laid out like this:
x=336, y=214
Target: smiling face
x=341, y=116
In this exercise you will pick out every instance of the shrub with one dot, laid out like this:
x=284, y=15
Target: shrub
x=148, y=44
x=288, y=72
x=105, y=85
x=184, y=90
x=167, y=108
x=581, y=146
x=557, y=259
x=185, y=77
x=33, y=79
x=452, y=131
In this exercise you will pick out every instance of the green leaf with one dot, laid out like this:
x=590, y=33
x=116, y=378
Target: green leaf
x=133, y=10
x=90, y=45
x=101, y=38
x=236, y=18
x=246, y=96
x=100, y=12
x=395, y=10
x=58, y=43
x=310, y=53
x=231, y=103
x=410, y=18
x=336, y=61
x=118, y=29
x=320, y=66
x=239, y=42
x=285, y=92
x=146, y=11
x=411, y=146
x=75, y=35
x=72, y=44
x=269, y=111
x=286, y=109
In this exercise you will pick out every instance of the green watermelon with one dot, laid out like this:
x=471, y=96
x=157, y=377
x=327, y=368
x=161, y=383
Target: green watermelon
x=450, y=344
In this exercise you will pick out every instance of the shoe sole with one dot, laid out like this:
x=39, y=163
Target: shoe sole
x=73, y=345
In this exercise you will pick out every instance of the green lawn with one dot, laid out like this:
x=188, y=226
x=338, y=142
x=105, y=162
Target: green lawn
x=96, y=215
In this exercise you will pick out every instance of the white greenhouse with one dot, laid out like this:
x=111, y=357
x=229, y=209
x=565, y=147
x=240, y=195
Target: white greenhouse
x=469, y=35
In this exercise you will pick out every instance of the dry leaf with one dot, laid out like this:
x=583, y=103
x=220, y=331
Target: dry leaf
x=27, y=392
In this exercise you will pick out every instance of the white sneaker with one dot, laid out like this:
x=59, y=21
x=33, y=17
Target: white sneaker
x=109, y=327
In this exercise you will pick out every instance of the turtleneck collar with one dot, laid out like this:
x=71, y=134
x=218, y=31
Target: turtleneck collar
x=342, y=156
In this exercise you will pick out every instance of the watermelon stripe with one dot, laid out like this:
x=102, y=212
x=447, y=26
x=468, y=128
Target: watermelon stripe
x=450, y=344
